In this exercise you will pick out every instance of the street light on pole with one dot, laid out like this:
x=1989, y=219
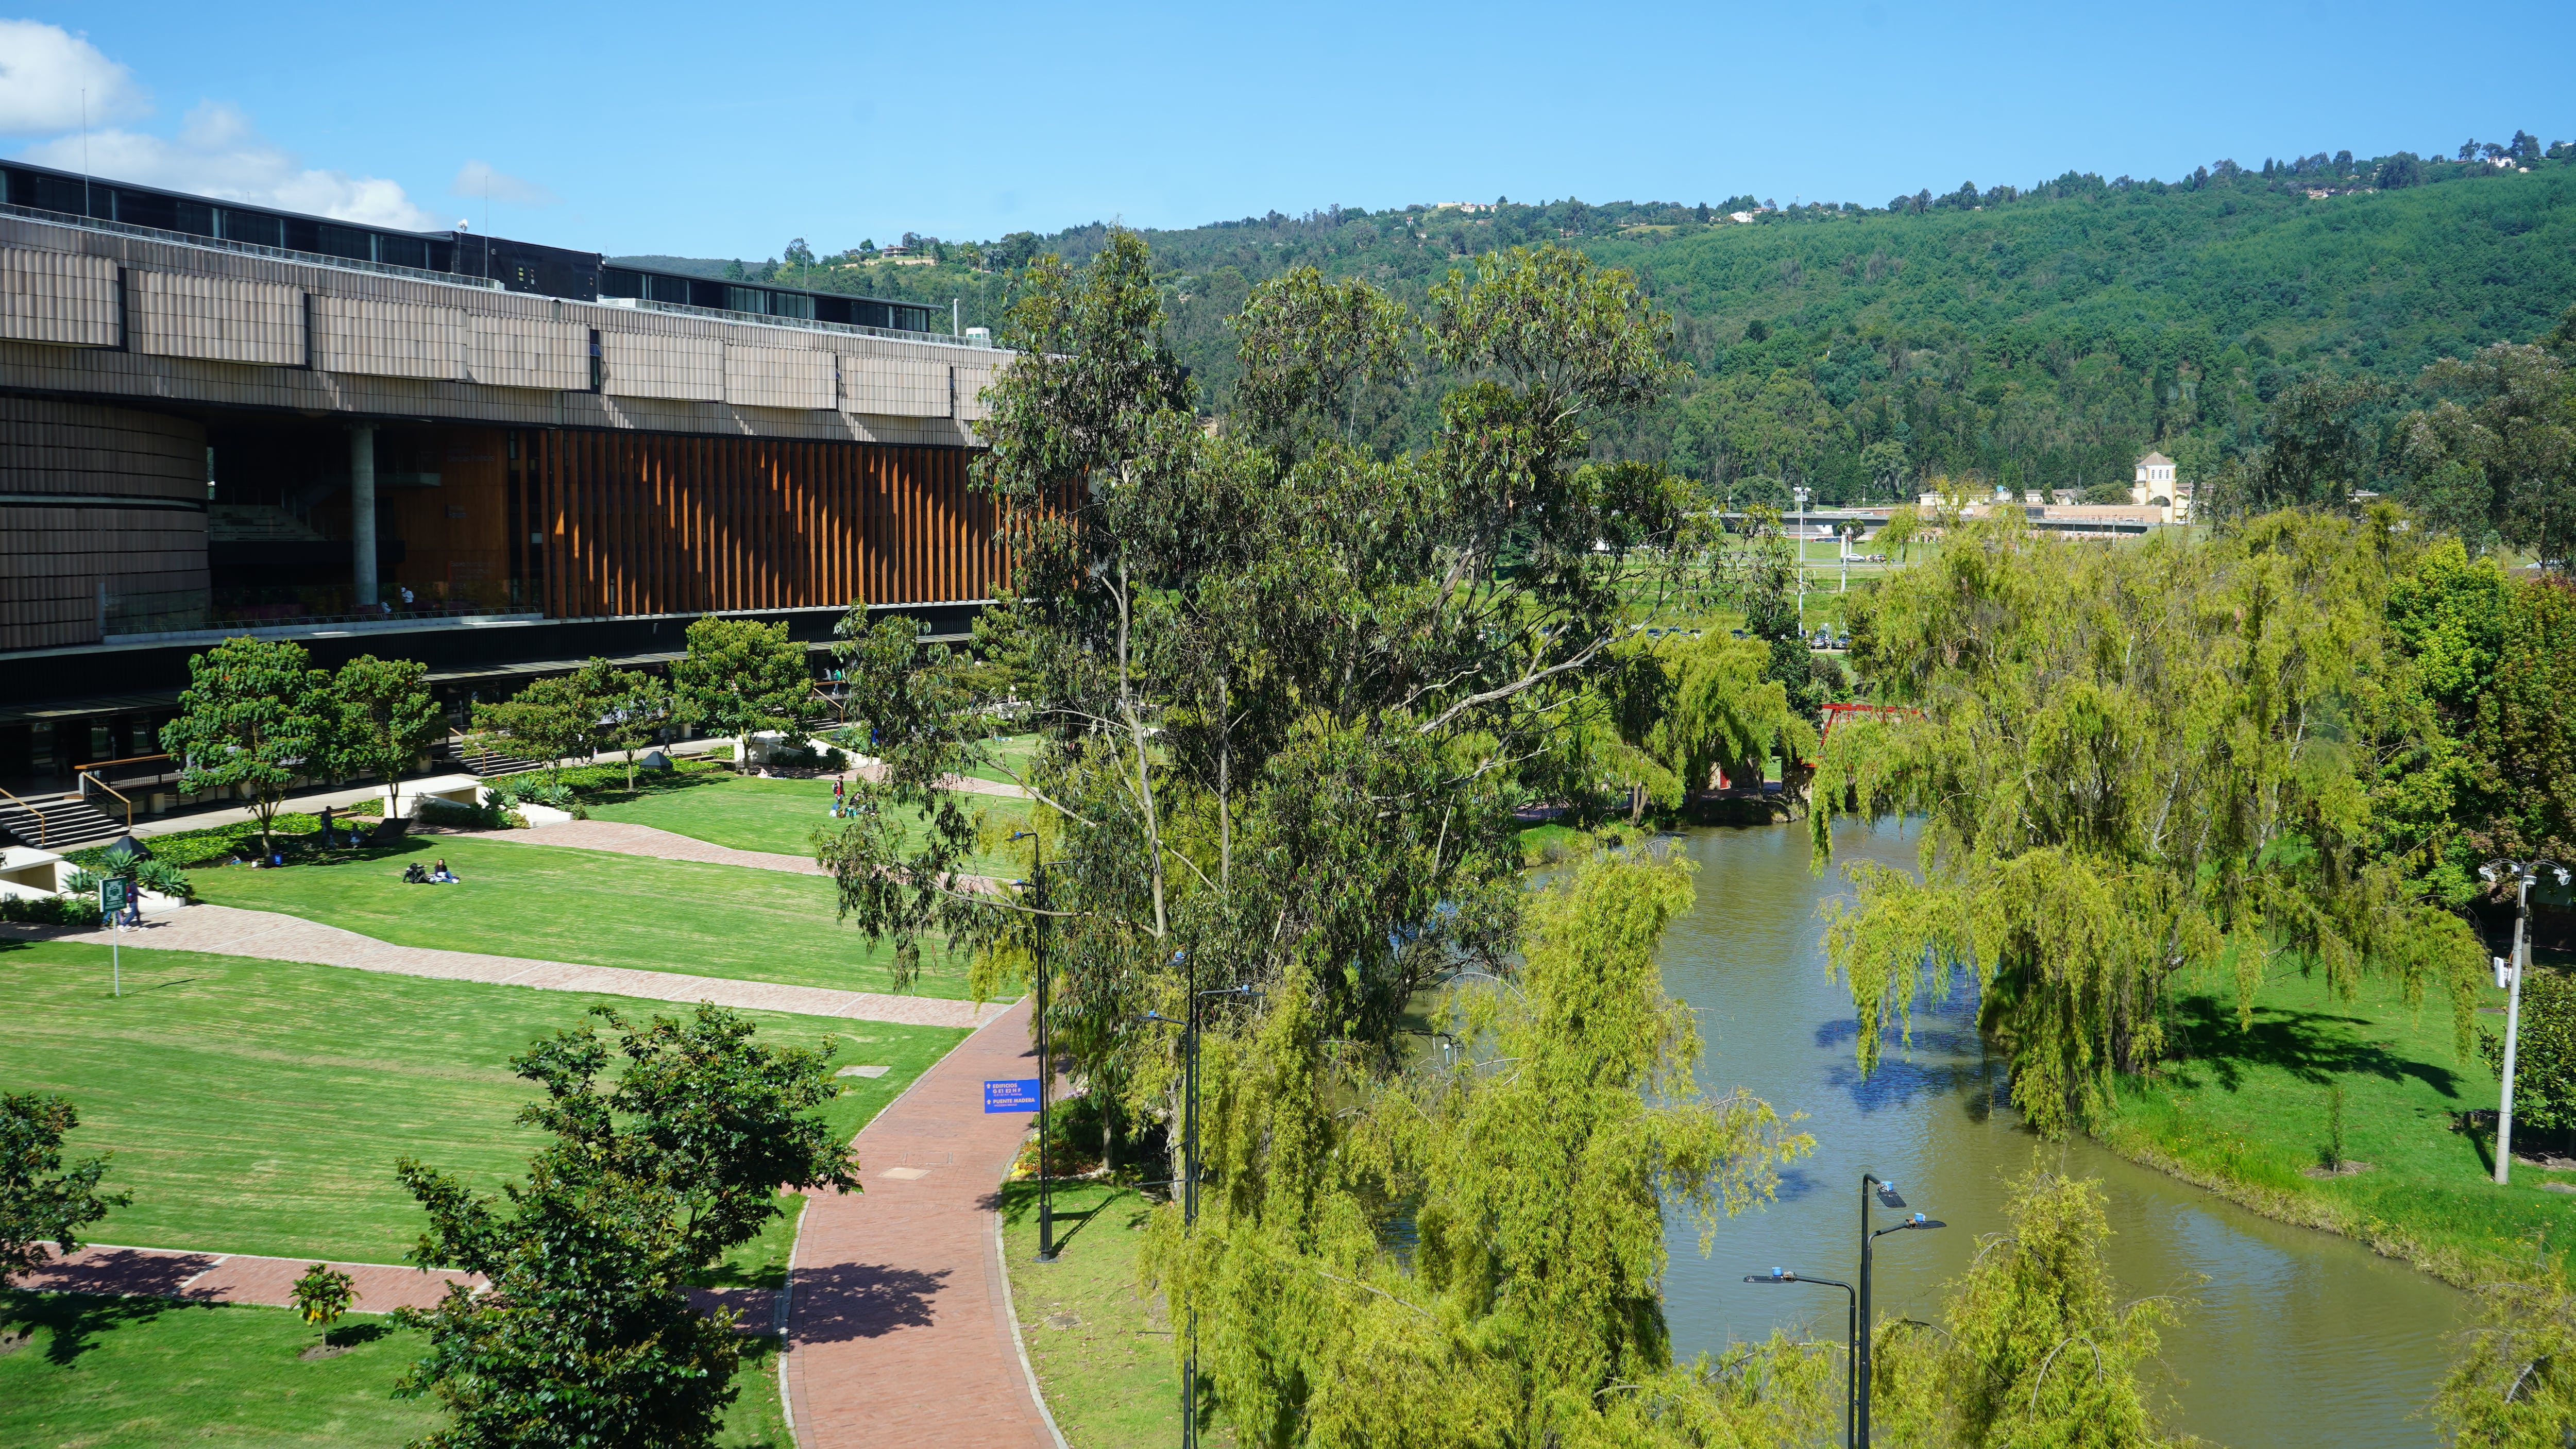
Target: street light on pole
x=1190, y=1175
x=1799, y=528
x=2524, y=875
x=1046, y=1056
x=1887, y=1197
x=1851, y=1307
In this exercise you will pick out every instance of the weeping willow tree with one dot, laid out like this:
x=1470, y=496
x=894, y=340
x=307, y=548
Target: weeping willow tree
x=2138, y=768
x=2034, y=1349
x=1533, y=1161
x=1683, y=705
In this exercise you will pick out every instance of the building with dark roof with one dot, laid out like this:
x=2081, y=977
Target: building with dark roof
x=490, y=455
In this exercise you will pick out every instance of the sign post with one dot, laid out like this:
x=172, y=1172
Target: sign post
x=111, y=904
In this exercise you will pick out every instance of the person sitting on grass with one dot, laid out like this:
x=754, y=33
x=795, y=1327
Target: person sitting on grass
x=439, y=874
x=415, y=874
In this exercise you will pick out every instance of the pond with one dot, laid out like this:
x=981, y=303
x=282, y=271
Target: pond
x=2292, y=1337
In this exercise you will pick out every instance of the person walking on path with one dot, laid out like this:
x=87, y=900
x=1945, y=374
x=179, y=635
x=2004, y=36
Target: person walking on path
x=900, y=1330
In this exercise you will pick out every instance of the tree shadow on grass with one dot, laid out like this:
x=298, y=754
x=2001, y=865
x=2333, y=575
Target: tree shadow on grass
x=74, y=1320
x=2314, y=1046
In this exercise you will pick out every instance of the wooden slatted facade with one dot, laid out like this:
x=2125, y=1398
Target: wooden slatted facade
x=639, y=523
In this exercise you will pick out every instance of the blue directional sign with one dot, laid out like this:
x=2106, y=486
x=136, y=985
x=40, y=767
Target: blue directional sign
x=1011, y=1096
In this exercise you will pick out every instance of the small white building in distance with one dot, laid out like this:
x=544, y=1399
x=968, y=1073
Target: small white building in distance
x=2157, y=487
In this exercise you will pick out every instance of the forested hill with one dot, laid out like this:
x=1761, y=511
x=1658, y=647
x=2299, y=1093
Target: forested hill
x=2038, y=338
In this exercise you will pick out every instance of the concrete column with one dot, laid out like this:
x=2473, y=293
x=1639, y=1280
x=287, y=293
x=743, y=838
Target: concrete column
x=362, y=510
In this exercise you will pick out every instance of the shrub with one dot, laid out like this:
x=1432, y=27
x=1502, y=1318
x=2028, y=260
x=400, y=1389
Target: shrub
x=155, y=874
x=457, y=815
x=2544, y=1057
x=50, y=910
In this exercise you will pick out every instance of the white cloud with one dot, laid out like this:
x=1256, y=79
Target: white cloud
x=219, y=153
x=43, y=71
x=477, y=180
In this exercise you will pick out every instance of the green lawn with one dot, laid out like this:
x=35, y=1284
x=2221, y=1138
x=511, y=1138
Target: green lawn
x=780, y=816
x=1102, y=1350
x=141, y=1373
x=593, y=907
x=2250, y=1109
x=257, y=1106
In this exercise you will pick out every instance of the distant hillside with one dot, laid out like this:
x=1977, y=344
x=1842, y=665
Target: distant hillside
x=2038, y=338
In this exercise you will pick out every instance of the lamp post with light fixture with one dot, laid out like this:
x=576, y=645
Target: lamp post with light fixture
x=1860, y=1376
x=2525, y=875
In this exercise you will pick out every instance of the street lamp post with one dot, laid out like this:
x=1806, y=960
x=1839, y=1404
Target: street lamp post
x=1851, y=1308
x=1190, y=1178
x=1799, y=528
x=1860, y=1377
x=1046, y=1053
x=2525, y=875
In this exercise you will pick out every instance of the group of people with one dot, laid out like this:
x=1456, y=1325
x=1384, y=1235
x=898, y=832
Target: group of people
x=842, y=804
x=437, y=874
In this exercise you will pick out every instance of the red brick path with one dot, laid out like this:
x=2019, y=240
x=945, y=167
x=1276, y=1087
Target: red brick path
x=899, y=1328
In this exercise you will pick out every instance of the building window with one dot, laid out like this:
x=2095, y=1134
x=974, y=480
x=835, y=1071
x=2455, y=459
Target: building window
x=257, y=228
x=747, y=299
x=403, y=251
x=619, y=282
x=670, y=289
x=791, y=304
x=345, y=241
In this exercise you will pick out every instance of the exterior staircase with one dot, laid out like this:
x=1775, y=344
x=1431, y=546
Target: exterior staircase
x=56, y=822
x=490, y=764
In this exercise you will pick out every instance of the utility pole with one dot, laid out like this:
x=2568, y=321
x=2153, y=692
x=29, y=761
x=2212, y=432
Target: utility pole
x=1046, y=1063
x=1798, y=530
x=2525, y=875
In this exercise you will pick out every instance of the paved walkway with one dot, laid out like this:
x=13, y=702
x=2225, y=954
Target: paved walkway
x=626, y=838
x=232, y=931
x=104, y=1268
x=899, y=1326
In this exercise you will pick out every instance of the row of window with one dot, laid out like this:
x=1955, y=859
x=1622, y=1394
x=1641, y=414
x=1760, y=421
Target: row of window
x=519, y=266
x=165, y=212
x=760, y=301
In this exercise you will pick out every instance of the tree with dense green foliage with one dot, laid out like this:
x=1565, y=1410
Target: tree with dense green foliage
x=550, y=718
x=42, y=1201
x=2514, y=1384
x=2544, y=1067
x=387, y=719
x=255, y=718
x=1537, y=1163
x=742, y=676
x=657, y=1168
x=635, y=706
x=1289, y=688
x=2034, y=1348
x=2136, y=766
x=2501, y=435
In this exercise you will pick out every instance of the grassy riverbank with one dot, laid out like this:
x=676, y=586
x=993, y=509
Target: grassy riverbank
x=2249, y=1112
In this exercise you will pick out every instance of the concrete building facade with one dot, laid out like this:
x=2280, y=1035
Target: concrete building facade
x=217, y=419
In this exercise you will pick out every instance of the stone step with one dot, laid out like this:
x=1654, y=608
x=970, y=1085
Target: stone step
x=57, y=823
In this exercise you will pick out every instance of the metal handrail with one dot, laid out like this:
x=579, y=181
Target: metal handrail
x=129, y=760
x=256, y=249
x=87, y=779
x=30, y=807
x=810, y=324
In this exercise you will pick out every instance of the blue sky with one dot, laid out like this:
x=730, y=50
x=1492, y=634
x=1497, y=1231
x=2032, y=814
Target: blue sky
x=657, y=128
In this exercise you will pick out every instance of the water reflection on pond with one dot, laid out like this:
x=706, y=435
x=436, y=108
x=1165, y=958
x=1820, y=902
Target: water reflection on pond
x=2295, y=1338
